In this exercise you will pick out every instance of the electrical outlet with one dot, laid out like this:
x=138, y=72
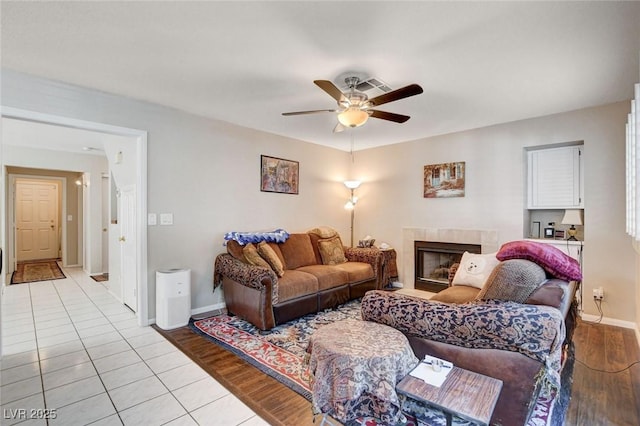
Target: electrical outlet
x=598, y=293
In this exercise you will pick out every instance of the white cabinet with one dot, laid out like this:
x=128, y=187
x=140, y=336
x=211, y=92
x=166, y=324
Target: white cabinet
x=555, y=178
x=571, y=248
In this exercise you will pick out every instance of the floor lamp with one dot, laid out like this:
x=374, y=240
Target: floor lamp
x=351, y=204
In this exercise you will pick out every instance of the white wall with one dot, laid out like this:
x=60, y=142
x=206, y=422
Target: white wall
x=205, y=172
x=121, y=154
x=391, y=195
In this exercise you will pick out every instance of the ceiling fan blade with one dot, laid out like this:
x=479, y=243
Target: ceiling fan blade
x=315, y=111
x=339, y=128
x=390, y=116
x=394, y=95
x=331, y=89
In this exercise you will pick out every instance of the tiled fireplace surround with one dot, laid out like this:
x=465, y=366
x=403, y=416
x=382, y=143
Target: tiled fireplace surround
x=487, y=239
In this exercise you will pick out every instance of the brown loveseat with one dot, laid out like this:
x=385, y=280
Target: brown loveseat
x=307, y=283
x=524, y=344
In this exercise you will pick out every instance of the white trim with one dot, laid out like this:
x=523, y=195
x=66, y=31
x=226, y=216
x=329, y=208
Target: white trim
x=143, y=302
x=215, y=307
x=75, y=123
x=610, y=321
x=141, y=143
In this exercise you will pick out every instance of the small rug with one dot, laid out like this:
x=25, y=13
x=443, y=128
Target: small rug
x=37, y=270
x=100, y=278
x=280, y=354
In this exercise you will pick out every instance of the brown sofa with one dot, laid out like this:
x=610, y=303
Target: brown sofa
x=307, y=285
x=505, y=352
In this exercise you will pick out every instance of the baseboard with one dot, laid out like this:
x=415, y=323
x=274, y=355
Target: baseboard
x=610, y=321
x=215, y=307
x=197, y=311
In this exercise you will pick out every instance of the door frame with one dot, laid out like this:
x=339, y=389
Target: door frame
x=12, y=253
x=127, y=189
x=140, y=137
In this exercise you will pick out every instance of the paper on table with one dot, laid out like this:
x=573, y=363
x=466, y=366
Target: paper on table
x=425, y=371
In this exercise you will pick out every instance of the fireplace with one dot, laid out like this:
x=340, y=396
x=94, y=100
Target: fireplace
x=433, y=260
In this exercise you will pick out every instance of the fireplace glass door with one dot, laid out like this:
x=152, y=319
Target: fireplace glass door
x=433, y=261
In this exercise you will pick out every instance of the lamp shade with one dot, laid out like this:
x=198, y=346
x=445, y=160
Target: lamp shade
x=352, y=184
x=572, y=217
x=353, y=117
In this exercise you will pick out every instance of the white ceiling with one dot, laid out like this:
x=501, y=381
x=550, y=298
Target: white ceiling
x=247, y=62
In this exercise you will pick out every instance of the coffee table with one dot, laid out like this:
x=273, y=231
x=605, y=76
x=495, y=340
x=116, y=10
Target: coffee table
x=355, y=366
x=465, y=394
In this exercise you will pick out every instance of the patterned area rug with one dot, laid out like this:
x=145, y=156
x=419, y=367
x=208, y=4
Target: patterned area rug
x=37, y=270
x=100, y=278
x=280, y=353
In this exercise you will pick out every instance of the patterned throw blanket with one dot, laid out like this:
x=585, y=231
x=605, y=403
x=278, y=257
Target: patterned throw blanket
x=532, y=330
x=277, y=236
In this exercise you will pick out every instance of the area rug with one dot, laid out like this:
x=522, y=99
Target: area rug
x=100, y=278
x=280, y=354
x=37, y=270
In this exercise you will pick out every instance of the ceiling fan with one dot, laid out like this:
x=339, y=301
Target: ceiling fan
x=355, y=107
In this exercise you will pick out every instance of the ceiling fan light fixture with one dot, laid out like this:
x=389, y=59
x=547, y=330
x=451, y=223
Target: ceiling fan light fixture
x=353, y=117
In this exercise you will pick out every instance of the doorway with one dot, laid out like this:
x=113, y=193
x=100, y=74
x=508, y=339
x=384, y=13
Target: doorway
x=30, y=208
x=37, y=219
x=139, y=161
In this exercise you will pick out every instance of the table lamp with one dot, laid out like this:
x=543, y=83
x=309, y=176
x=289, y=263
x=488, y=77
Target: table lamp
x=573, y=218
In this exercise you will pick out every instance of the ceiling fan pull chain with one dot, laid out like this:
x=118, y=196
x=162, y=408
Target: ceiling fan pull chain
x=351, y=152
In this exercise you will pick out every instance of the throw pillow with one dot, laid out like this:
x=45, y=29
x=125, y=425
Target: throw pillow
x=235, y=249
x=253, y=257
x=513, y=280
x=266, y=252
x=474, y=269
x=332, y=251
x=323, y=232
x=552, y=259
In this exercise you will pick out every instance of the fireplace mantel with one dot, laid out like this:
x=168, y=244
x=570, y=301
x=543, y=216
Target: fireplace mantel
x=487, y=239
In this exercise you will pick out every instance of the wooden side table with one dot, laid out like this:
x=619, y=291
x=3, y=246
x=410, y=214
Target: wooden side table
x=389, y=267
x=465, y=394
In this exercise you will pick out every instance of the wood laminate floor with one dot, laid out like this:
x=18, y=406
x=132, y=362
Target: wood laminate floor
x=606, y=386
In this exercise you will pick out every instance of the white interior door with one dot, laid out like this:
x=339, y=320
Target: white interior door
x=37, y=223
x=128, y=259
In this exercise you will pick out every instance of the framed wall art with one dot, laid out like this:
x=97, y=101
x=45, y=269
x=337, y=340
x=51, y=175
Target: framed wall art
x=278, y=175
x=444, y=180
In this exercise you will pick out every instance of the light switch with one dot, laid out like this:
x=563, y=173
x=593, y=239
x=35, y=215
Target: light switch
x=152, y=219
x=166, y=218
x=70, y=218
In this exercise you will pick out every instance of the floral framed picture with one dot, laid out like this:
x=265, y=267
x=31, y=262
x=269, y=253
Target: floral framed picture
x=279, y=175
x=444, y=180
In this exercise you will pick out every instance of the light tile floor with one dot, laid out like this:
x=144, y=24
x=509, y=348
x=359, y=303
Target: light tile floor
x=72, y=352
